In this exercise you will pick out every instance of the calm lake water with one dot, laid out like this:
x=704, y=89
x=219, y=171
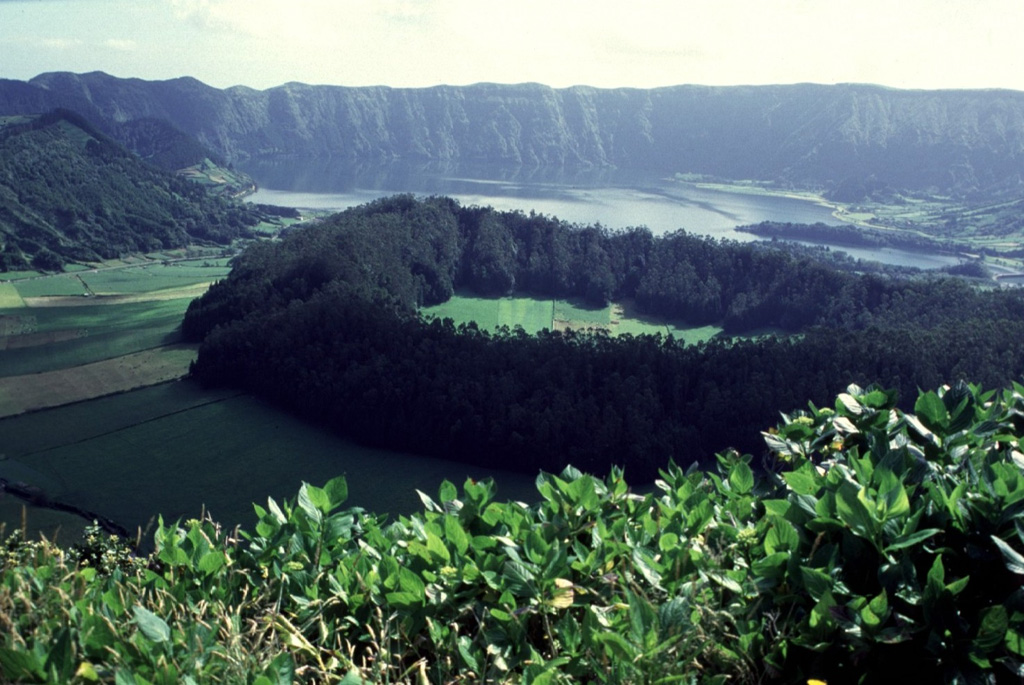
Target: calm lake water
x=615, y=199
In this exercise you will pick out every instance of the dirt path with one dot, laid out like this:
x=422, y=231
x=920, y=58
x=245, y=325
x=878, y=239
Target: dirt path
x=29, y=392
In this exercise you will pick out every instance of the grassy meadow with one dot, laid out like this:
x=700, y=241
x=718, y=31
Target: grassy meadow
x=535, y=315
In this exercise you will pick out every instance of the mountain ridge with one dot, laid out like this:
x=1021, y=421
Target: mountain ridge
x=956, y=141
x=70, y=193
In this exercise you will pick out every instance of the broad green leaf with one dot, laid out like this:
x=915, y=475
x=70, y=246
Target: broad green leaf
x=437, y=548
x=353, y=677
x=876, y=399
x=781, y=537
x=320, y=499
x=275, y=511
x=992, y=628
x=816, y=582
x=60, y=660
x=404, y=599
x=803, y=481
x=912, y=539
x=615, y=645
x=123, y=677
x=668, y=542
x=741, y=478
x=281, y=670
x=519, y=579
x=957, y=586
x=931, y=410
x=151, y=625
x=455, y=534
x=935, y=583
x=211, y=562
x=1014, y=642
x=337, y=491
x=20, y=664
x=1013, y=560
x=447, y=492
x=776, y=444
x=880, y=604
x=852, y=511
x=428, y=503
x=308, y=506
x=848, y=405
x=86, y=671
x=410, y=581
x=770, y=566
x=467, y=652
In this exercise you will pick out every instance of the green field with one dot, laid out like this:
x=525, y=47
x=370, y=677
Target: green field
x=47, y=286
x=153, y=277
x=174, y=447
x=9, y=297
x=535, y=315
x=105, y=331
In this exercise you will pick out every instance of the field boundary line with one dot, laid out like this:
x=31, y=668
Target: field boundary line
x=115, y=431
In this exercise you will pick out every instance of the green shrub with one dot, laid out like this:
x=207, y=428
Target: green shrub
x=878, y=545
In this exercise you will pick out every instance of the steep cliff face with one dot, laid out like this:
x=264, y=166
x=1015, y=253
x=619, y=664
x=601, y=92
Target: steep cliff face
x=951, y=140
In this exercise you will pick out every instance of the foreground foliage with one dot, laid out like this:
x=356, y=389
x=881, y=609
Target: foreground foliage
x=880, y=545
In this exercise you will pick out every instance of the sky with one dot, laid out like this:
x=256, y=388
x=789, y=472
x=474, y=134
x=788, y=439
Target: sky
x=603, y=43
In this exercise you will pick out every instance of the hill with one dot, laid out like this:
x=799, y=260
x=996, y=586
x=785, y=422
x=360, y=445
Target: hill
x=843, y=137
x=333, y=309
x=70, y=193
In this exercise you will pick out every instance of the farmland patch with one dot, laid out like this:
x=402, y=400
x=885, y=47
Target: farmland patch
x=97, y=332
x=9, y=296
x=560, y=315
x=131, y=455
x=35, y=391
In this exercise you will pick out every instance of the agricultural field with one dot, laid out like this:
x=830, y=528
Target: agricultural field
x=51, y=286
x=40, y=339
x=128, y=456
x=151, y=278
x=10, y=298
x=31, y=392
x=535, y=315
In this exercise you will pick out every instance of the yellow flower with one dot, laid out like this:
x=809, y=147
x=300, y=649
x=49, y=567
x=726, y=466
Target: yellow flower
x=815, y=681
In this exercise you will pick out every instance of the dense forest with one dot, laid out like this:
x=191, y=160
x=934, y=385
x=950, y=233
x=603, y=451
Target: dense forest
x=70, y=193
x=324, y=322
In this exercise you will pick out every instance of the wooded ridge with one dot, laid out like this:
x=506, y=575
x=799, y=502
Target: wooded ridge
x=324, y=323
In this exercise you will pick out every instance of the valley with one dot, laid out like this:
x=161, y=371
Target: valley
x=213, y=299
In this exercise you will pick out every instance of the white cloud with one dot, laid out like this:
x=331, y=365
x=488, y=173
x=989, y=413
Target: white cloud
x=642, y=43
x=58, y=43
x=121, y=44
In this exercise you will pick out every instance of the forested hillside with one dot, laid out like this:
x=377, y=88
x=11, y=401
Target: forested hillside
x=325, y=323
x=70, y=193
x=853, y=139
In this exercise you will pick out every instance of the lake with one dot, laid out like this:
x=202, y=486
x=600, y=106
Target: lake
x=613, y=198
